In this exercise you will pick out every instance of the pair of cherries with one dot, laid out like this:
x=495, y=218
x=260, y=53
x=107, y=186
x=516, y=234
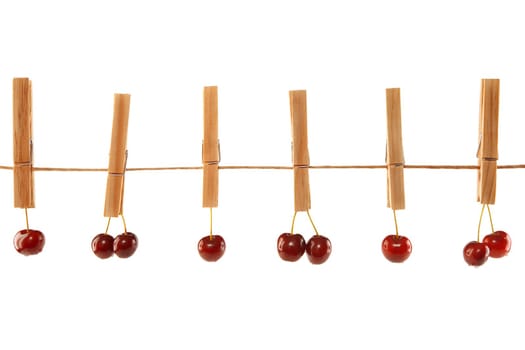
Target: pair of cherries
x=124, y=245
x=495, y=245
x=291, y=246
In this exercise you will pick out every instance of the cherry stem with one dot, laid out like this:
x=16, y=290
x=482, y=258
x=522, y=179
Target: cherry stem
x=490, y=218
x=211, y=223
x=107, y=226
x=480, y=217
x=124, y=223
x=395, y=223
x=27, y=220
x=293, y=222
x=312, y=222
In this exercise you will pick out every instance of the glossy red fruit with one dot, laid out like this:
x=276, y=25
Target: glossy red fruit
x=291, y=246
x=125, y=244
x=211, y=247
x=102, y=245
x=396, y=248
x=29, y=242
x=499, y=243
x=318, y=249
x=476, y=253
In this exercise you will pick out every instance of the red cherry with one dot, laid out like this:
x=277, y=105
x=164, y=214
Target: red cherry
x=29, y=242
x=102, y=245
x=476, y=253
x=211, y=247
x=318, y=249
x=291, y=246
x=125, y=244
x=499, y=243
x=396, y=248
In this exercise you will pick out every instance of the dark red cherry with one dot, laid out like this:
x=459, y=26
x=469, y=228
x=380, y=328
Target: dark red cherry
x=102, y=245
x=476, y=253
x=211, y=247
x=291, y=246
x=29, y=242
x=499, y=243
x=125, y=244
x=318, y=249
x=396, y=248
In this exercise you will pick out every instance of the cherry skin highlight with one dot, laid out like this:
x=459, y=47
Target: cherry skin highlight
x=102, y=245
x=499, y=243
x=291, y=246
x=476, y=253
x=318, y=249
x=396, y=248
x=125, y=244
x=29, y=242
x=211, y=247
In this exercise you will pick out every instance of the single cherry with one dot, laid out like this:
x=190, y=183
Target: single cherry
x=318, y=249
x=396, y=248
x=29, y=242
x=291, y=246
x=125, y=244
x=476, y=253
x=211, y=247
x=499, y=243
x=102, y=245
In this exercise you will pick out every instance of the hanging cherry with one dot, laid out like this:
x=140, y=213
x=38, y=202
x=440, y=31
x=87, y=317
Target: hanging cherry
x=291, y=246
x=396, y=248
x=28, y=241
x=499, y=243
x=102, y=245
x=211, y=247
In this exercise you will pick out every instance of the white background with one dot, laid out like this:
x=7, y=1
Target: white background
x=345, y=54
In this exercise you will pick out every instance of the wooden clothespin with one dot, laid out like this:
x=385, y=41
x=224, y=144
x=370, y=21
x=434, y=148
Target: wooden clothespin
x=23, y=144
x=395, y=159
x=300, y=155
x=117, y=157
x=488, y=140
x=211, y=155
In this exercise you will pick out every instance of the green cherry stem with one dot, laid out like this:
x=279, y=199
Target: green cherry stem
x=480, y=218
x=293, y=222
x=27, y=220
x=124, y=223
x=395, y=222
x=312, y=222
x=211, y=223
x=490, y=218
x=107, y=226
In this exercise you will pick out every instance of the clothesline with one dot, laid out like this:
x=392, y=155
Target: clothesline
x=269, y=167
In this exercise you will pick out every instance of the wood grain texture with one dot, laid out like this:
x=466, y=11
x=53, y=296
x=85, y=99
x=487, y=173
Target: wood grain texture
x=300, y=155
x=210, y=149
x=22, y=144
x=117, y=156
x=488, y=141
x=395, y=159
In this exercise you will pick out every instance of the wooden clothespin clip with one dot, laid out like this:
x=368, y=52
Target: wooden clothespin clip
x=395, y=159
x=117, y=157
x=211, y=155
x=23, y=144
x=300, y=155
x=488, y=140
